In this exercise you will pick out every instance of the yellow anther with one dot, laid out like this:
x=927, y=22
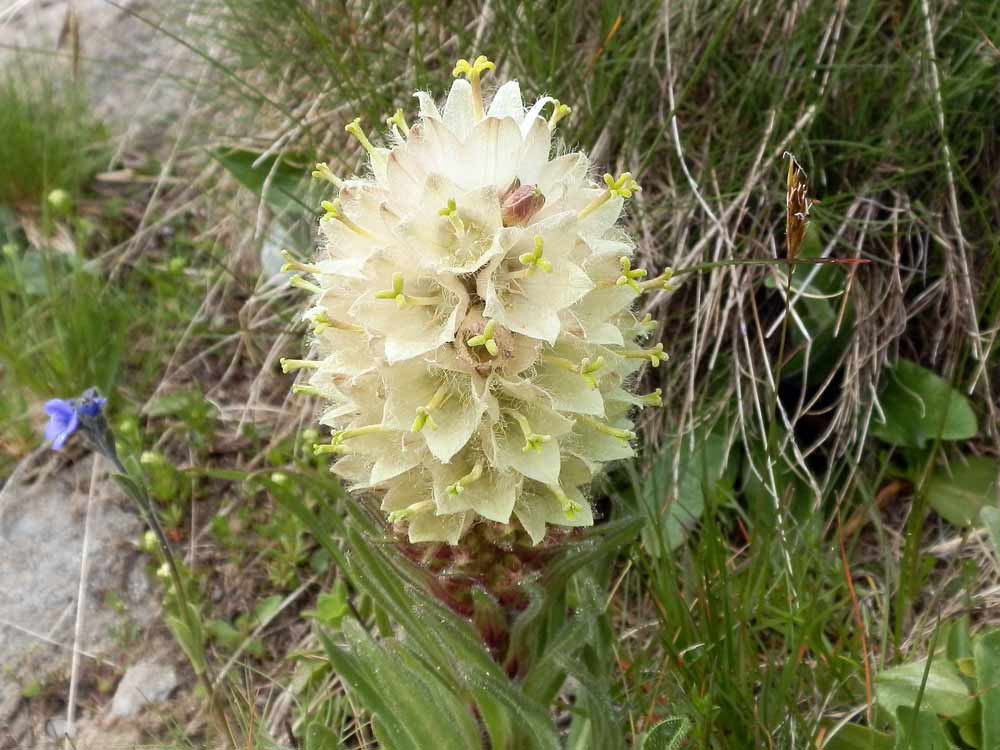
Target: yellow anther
x=587, y=368
x=354, y=128
x=321, y=321
x=534, y=259
x=569, y=507
x=663, y=282
x=337, y=440
x=624, y=186
x=486, y=339
x=474, y=71
x=323, y=172
x=558, y=113
x=300, y=283
x=459, y=487
x=399, y=121
x=335, y=211
x=624, y=435
x=532, y=440
x=401, y=515
x=291, y=365
x=424, y=418
x=652, y=399
x=396, y=293
x=450, y=212
x=302, y=389
x=630, y=277
x=655, y=355
x=291, y=264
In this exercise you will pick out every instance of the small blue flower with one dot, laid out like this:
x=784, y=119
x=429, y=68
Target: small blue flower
x=64, y=417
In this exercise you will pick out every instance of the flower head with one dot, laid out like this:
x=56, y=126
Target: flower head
x=67, y=416
x=474, y=341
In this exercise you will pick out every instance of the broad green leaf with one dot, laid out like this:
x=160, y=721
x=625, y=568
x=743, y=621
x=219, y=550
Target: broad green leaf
x=667, y=735
x=330, y=607
x=920, y=731
x=945, y=692
x=287, y=183
x=960, y=491
x=987, y=654
x=319, y=737
x=267, y=609
x=675, y=508
x=857, y=737
x=919, y=407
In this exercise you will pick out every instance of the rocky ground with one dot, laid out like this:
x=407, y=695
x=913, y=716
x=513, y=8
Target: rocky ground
x=59, y=526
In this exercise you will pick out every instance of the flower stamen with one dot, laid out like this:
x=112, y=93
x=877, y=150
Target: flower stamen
x=335, y=211
x=532, y=440
x=624, y=435
x=321, y=321
x=458, y=487
x=424, y=417
x=623, y=187
x=655, y=355
x=450, y=212
x=559, y=112
x=534, y=259
x=652, y=399
x=292, y=365
x=569, y=507
x=473, y=72
x=291, y=264
x=354, y=128
x=336, y=444
x=300, y=282
x=630, y=277
x=401, y=299
x=399, y=121
x=663, y=282
x=400, y=515
x=585, y=369
x=486, y=339
x=323, y=172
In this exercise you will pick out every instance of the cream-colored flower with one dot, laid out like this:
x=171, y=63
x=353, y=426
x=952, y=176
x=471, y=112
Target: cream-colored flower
x=474, y=336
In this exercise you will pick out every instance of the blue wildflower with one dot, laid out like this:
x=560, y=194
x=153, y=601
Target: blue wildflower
x=64, y=416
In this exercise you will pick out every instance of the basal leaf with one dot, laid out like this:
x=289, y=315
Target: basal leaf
x=920, y=406
x=286, y=188
x=944, y=693
x=960, y=491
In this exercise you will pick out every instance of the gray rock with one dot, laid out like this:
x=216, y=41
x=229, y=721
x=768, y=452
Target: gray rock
x=145, y=683
x=41, y=540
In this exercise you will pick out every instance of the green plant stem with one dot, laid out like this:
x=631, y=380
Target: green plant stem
x=202, y=670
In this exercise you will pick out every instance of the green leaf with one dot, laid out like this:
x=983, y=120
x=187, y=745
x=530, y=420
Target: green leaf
x=920, y=731
x=674, y=509
x=960, y=491
x=667, y=735
x=919, y=407
x=857, y=737
x=330, y=607
x=945, y=692
x=987, y=654
x=266, y=610
x=286, y=185
x=319, y=737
